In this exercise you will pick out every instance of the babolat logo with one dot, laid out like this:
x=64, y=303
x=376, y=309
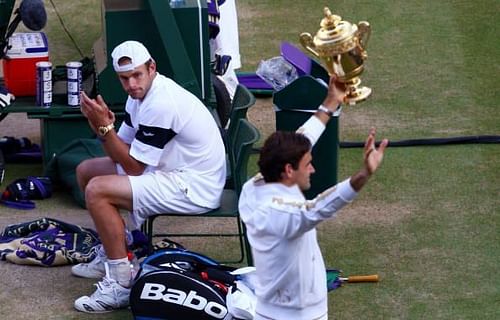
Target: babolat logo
x=156, y=291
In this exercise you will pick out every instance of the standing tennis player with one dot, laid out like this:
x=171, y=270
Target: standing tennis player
x=281, y=223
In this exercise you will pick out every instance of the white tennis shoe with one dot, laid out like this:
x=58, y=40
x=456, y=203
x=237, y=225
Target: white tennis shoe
x=109, y=296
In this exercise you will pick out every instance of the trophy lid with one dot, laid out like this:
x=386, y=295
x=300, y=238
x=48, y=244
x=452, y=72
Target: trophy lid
x=334, y=31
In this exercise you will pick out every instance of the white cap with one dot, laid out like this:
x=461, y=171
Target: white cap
x=135, y=51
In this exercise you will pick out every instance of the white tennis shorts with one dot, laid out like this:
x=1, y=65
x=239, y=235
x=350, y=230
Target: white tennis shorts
x=159, y=192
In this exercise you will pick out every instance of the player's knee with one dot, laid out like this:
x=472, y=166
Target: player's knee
x=95, y=190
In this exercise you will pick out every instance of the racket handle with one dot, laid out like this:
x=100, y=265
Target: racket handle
x=368, y=278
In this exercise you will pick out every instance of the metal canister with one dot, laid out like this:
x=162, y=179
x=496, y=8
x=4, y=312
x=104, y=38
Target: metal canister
x=44, y=84
x=74, y=75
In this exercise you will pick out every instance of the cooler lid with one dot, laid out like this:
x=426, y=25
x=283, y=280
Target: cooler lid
x=28, y=45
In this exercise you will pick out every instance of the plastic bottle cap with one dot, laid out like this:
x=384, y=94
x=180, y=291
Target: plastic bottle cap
x=130, y=256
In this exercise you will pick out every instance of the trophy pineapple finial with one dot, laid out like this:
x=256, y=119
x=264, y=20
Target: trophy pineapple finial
x=330, y=21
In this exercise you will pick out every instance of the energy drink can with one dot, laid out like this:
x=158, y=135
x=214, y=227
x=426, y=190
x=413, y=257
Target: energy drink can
x=44, y=84
x=74, y=75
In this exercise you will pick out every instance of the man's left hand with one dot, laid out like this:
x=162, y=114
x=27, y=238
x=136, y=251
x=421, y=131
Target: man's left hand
x=373, y=156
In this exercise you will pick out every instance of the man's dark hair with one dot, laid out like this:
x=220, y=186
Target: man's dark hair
x=147, y=63
x=280, y=148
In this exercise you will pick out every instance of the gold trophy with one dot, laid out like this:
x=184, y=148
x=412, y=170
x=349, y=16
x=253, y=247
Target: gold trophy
x=341, y=46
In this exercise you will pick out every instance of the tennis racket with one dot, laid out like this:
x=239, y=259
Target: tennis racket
x=335, y=279
x=364, y=278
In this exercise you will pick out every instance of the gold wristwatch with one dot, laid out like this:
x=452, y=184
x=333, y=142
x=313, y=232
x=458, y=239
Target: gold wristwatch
x=103, y=130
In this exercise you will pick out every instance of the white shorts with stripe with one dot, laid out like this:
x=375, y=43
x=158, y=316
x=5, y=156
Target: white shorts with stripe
x=159, y=192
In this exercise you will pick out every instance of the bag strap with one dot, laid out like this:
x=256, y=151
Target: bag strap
x=23, y=205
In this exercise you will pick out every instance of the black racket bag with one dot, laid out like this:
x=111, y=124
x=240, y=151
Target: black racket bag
x=180, y=285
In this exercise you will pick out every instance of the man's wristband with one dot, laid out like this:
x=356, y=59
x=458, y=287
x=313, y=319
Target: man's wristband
x=324, y=109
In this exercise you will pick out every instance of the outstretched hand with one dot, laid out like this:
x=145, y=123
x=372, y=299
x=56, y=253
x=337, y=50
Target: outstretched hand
x=372, y=159
x=373, y=156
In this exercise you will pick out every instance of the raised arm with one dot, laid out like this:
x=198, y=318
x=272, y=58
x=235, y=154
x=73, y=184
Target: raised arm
x=372, y=159
x=315, y=125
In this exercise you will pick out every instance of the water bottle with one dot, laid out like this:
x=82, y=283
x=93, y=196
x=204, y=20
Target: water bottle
x=134, y=265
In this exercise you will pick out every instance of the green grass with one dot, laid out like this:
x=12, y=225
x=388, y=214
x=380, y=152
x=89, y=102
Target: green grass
x=432, y=63
x=432, y=237
x=83, y=21
x=429, y=221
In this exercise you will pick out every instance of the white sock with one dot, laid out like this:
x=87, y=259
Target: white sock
x=119, y=270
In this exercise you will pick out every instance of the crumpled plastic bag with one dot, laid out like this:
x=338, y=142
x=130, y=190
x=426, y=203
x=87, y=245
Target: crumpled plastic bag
x=277, y=72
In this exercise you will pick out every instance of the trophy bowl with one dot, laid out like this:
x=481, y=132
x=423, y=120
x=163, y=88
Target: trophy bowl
x=340, y=45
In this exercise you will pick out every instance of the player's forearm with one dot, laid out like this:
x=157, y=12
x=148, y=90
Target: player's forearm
x=359, y=179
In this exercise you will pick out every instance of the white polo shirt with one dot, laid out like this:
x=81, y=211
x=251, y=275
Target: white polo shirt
x=171, y=130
